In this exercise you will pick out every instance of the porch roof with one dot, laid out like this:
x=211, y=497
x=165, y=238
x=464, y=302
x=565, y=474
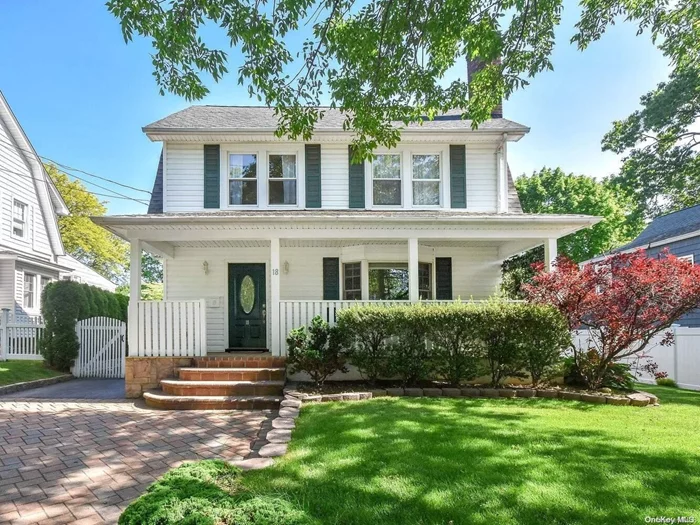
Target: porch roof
x=514, y=232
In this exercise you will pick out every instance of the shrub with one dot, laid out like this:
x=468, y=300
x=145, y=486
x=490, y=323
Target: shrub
x=63, y=304
x=543, y=338
x=453, y=332
x=317, y=350
x=368, y=330
x=409, y=356
x=578, y=371
x=666, y=381
x=501, y=331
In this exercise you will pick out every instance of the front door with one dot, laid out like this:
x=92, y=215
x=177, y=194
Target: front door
x=246, y=306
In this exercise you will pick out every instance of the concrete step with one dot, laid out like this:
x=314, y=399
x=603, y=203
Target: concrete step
x=240, y=361
x=232, y=374
x=159, y=399
x=178, y=387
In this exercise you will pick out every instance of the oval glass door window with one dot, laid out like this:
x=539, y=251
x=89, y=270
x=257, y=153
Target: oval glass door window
x=247, y=294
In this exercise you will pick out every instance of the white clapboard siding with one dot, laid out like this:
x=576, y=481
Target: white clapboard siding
x=481, y=177
x=171, y=329
x=102, y=349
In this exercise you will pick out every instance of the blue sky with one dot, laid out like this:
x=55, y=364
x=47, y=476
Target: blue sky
x=82, y=95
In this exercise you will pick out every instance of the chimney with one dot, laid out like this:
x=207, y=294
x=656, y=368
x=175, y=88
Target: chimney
x=473, y=67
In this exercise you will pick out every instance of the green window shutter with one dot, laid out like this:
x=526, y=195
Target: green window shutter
x=443, y=278
x=212, y=175
x=356, y=181
x=458, y=176
x=331, y=279
x=312, y=157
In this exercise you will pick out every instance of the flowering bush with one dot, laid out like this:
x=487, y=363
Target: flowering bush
x=623, y=301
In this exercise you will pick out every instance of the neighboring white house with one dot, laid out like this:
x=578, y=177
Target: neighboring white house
x=259, y=233
x=31, y=251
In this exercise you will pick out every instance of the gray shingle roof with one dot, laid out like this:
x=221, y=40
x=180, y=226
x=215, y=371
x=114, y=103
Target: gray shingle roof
x=156, y=203
x=667, y=226
x=238, y=118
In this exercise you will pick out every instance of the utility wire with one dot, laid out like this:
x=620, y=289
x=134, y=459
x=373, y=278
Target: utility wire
x=66, y=167
x=94, y=193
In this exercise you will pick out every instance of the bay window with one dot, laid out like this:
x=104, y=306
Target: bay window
x=388, y=281
x=426, y=180
x=29, y=298
x=386, y=180
x=352, y=277
x=243, y=179
x=282, y=174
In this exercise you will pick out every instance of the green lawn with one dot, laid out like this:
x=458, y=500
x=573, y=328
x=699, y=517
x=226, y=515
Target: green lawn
x=20, y=371
x=480, y=461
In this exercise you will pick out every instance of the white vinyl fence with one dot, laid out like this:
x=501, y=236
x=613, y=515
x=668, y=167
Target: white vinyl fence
x=170, y=329
x=19, y=336
x=102, y=350
x=680, y=360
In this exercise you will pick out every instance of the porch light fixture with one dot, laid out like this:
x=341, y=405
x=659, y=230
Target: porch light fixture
x=285, y=267
x=205, y=267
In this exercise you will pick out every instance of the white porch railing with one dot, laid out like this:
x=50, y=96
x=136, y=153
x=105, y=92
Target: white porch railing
x=19, y=336
x=170, y=329
x=294, y=314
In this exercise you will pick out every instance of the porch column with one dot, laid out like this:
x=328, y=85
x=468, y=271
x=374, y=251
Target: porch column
x=413, y=270
x=364, y=280
x=274, y=306
x=550, y=254
x=134, y=295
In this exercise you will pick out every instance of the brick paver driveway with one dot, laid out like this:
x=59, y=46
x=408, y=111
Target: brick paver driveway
x=83, y=462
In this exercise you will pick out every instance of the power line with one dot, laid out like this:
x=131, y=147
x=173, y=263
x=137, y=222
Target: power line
x=94, y=193
x=66, y=167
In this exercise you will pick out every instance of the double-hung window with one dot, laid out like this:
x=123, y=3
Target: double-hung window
x=386, y=180
x=426, y=180
x=29, y=299
x=352, y=276
x=282, y=173
x=388, y=281
x=425, y=281
x=243, y=179
x=19, y=219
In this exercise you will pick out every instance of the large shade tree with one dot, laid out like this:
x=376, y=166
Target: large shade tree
x=383, y=60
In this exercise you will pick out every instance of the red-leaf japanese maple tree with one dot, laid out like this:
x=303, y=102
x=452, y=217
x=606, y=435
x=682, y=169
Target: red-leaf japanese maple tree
x=624, y=300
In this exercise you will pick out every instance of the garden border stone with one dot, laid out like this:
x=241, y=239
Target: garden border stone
x=37, y=383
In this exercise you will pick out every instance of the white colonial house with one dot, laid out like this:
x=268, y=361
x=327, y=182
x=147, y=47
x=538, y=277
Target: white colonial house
x=259, y=233
x=31, y=251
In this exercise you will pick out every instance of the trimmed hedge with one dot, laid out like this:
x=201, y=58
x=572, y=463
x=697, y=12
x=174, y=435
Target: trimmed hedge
x=455, y=342
x=63, y=304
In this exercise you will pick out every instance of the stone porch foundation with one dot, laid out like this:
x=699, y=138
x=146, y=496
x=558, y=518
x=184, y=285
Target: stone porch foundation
x=145, y=373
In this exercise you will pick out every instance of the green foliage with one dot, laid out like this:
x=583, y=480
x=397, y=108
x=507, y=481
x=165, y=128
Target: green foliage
x=207, y=492
x=151, y=268
x=502, y=331
x=666, y=381
x=384, y=61
x=580, y=371
x=317, y=350
x=63, y=304
x=543, y=341
x=409, y=357
x=83, y=239
x=368, y=329
x=24, y=370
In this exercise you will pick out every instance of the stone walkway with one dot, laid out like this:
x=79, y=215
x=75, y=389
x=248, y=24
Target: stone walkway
x=74, y=389
x=84, y=462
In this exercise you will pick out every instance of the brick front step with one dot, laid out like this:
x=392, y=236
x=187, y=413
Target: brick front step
x=240, y=361
x=178, y=387
x=158, y=399
x=232, y=374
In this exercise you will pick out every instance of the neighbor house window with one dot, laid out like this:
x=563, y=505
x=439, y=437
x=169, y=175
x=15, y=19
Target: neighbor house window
x=283, y=179
x=29, y=279
x=425, y=280
x=42, y=284
x=386, y=180
x=426, y=180
x=352, y=276
x=19, y=219
x=690, y=258
x=243, y=179
x=388, y=281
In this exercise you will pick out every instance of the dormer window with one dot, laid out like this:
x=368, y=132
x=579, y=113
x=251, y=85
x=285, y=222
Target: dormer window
x=19, y=220
x=282, y=179
x=386, y=180
x=243, y=179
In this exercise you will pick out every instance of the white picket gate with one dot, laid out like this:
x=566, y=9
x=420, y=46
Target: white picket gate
x=102, y=350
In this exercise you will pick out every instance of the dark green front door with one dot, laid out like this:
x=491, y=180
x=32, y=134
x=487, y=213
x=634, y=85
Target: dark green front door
x=246, y=306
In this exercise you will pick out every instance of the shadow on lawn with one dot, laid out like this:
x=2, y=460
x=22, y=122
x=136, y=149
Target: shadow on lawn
x=673, y=395
x=473, y=461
